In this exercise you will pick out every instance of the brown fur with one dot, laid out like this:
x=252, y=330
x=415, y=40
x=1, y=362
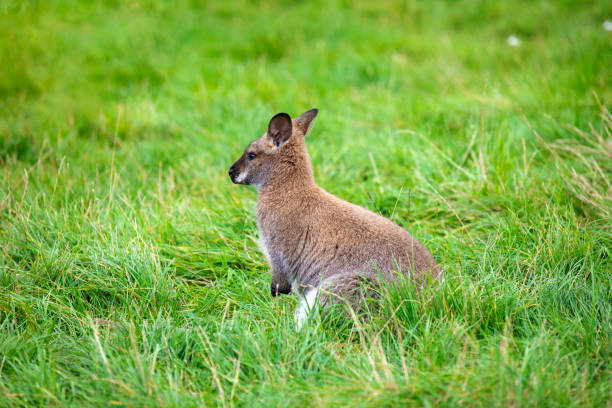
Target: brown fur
x=312, y=238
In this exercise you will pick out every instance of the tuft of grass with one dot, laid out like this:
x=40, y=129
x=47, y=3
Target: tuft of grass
x=129, y=270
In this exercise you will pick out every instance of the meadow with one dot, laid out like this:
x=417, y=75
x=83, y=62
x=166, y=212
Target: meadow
x=129, y=269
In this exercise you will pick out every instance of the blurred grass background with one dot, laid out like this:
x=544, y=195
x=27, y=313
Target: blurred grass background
x=128, y=269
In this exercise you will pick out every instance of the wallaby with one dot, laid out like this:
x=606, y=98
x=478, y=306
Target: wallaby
x=318, y=245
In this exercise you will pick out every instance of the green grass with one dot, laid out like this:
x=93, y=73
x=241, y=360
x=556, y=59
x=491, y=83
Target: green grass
x=129, y=273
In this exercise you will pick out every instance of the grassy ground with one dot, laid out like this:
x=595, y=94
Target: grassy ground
x=128, y=269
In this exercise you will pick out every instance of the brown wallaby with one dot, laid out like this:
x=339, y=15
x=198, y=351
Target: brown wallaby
x=317, y=244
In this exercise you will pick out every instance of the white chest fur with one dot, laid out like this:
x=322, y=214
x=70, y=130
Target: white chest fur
x=262, y=247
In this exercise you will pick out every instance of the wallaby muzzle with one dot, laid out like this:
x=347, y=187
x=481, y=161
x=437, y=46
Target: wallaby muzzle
x=235, y=170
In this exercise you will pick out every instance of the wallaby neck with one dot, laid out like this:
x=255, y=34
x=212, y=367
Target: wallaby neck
x=292, y=173
x=298, y=178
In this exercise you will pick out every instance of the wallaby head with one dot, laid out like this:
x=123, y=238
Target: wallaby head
x=277, y=156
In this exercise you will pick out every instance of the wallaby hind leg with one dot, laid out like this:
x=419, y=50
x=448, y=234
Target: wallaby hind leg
x=353, y=289
x=309, y=300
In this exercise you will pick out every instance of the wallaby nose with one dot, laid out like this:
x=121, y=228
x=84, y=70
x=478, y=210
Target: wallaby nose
x=231, y=172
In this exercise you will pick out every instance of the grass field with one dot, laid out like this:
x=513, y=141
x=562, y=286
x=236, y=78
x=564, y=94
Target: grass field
x=129, y=273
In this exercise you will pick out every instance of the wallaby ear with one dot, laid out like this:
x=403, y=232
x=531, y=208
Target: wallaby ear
x=304, y=122
x=280, y=128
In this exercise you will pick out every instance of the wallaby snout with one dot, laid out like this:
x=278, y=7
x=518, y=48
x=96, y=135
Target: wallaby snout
x=234, y=173
x=238, y=172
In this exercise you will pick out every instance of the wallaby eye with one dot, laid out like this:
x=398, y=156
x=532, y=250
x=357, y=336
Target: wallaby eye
x=251, y=156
